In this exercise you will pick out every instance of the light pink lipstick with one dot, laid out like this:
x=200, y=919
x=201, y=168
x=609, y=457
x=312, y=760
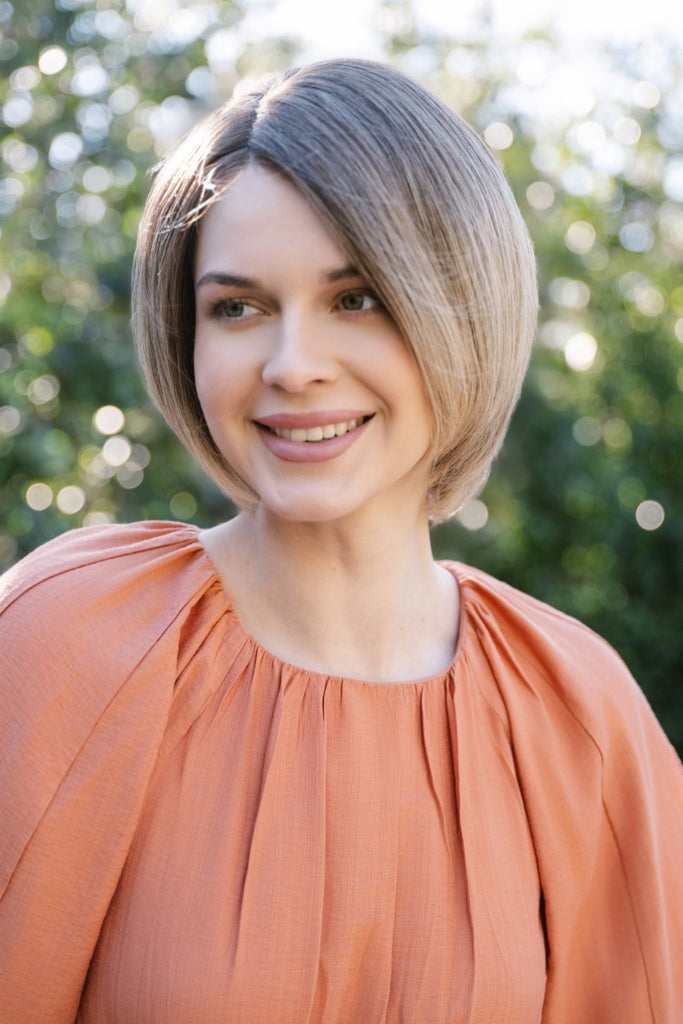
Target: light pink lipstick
x=312, y=437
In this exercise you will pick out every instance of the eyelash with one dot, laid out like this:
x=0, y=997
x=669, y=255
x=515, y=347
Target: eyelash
x=362, y=293
x=218, y=310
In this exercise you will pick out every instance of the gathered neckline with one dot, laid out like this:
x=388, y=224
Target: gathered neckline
x=285, y=667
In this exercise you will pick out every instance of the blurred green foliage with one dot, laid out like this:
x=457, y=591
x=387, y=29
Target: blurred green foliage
x=583, y=508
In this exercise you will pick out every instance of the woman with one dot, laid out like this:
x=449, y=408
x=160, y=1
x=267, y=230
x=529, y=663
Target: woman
x=290, y=769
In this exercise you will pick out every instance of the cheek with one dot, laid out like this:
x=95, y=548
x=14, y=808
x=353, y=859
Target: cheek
x=411, y=387
x=219, y=380
x=206, y=385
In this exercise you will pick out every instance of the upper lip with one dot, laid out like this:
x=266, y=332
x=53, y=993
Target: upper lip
x=307, y=420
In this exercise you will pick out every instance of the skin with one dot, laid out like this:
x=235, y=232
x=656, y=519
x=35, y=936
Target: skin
x=333, y=571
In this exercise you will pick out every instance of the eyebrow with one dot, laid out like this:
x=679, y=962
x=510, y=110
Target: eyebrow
x=341, y=275
x=239, y=281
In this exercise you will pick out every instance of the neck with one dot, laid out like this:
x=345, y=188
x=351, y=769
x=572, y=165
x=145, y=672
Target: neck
x=365, y=600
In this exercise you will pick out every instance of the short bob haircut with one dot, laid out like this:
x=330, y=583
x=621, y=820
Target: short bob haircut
x=421, y=207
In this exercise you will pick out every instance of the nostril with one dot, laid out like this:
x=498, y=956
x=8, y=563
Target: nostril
x=295, y=372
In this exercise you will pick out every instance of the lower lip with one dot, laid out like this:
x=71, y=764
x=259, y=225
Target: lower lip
x=310, y=451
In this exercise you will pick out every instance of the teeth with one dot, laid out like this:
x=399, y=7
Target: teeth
x=317, y=433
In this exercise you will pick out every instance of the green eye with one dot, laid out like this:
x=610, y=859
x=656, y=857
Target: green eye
x=358, y=302
x=233, y=308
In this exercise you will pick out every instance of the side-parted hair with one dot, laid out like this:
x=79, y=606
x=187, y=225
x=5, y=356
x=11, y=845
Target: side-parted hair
x=421, y=207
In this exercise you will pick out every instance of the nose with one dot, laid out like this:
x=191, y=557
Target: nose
x=298, y=356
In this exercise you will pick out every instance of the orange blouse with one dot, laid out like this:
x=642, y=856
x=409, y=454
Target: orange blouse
x=194, y=832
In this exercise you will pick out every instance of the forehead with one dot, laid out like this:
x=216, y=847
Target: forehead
x=261, y=218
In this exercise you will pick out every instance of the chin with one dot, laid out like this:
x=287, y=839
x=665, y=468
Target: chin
x=317, y=504
x=306, y=511
x=320, y=504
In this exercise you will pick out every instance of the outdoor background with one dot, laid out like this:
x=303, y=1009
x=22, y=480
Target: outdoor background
x=583, y=508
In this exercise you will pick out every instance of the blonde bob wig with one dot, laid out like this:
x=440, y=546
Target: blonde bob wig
x=421, y=207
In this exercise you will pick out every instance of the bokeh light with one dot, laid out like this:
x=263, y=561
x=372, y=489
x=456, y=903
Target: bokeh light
x=580, y=237
x=70, y=500
x=109, y=419
x=499, y=135
x=474, y=515
x=650, y=515
x=540, y=195
x=116, y=450
x=39, y=496
x=52, y=60
x=580, y=351
x=646, y=94
x=183, y=506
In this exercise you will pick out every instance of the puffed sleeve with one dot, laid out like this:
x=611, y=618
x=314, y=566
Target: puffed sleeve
x=603, y=789
x=89, y=630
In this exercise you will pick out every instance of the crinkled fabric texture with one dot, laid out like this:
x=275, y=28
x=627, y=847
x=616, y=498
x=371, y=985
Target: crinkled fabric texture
x=194, y=832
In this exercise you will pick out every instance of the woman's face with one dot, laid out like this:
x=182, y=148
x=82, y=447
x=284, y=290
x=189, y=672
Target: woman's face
x=307, y=387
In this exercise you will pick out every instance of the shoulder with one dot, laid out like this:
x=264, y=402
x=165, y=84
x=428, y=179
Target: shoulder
x=104, y=563
x=534, y=628
x=548, y=663
x=94, y=629
x=82, y=611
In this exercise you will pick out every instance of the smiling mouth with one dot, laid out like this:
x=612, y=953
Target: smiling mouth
x=315, y=434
